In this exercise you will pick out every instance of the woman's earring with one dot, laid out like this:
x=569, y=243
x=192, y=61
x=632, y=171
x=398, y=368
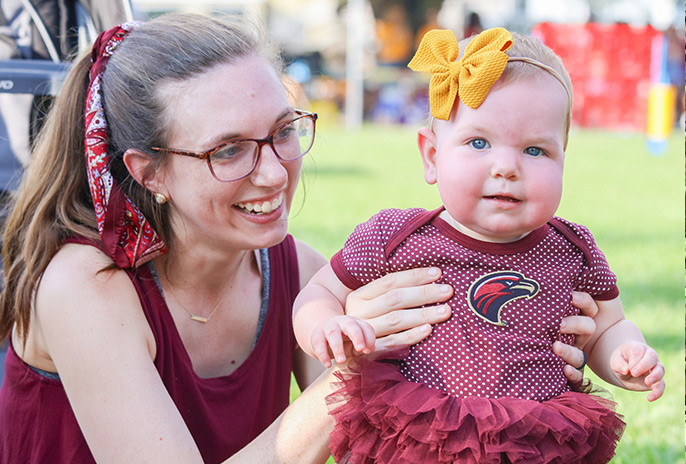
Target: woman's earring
x=160, y=199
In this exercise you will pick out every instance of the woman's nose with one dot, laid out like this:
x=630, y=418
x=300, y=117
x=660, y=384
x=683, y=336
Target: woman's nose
x=269, y=171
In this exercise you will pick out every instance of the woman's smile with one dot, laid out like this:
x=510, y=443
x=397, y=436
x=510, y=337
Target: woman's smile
x=260, y=207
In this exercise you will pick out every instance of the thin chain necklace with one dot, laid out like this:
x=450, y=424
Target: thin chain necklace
x=203, y=319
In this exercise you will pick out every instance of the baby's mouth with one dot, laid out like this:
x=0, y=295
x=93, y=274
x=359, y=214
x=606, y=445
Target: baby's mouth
x=502, y=198
x=264, y=207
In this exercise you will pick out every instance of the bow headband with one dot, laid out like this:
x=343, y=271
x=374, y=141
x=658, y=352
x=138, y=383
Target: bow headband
x=471, y=77
x=128, y=238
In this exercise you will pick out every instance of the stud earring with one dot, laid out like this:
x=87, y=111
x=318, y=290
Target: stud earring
x=160, y=199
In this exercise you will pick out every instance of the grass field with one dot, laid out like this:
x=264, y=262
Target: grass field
x=631, y=201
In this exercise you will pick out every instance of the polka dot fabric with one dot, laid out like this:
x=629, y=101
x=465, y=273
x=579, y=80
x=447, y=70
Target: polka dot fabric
x=467, y=355
x=477, y=390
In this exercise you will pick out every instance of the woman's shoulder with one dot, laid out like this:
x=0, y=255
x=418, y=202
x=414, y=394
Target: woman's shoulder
x=81, y=283
x=81, y=274
x=78, y=263
x=81, y=297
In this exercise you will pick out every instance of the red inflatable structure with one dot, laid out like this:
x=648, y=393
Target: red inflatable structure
x=610, y=69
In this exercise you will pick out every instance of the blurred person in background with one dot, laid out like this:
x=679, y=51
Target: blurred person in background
x=394, y=35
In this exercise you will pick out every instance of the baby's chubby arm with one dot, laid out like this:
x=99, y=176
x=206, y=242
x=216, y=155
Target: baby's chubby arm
x=320, y=323
x=619, y=354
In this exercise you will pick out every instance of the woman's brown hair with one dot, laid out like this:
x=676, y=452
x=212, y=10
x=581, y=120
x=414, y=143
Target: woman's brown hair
x=54, y=201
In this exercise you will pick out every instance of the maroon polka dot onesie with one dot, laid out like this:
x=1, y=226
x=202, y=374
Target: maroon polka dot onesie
x=485, y=386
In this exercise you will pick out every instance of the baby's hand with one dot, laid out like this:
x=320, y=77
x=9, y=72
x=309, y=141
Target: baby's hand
x=330, y=335
x=637, y=367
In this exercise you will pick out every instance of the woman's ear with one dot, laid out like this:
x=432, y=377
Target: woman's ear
x=427, y=142
x=137, y=164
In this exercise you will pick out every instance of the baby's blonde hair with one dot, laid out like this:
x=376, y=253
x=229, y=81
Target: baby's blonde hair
x=528, y=58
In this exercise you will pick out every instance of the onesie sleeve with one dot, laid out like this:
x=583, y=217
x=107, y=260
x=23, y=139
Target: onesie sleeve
x=362, y=259
x=596, y=278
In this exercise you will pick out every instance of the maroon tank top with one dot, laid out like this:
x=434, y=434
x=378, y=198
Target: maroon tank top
x=223, y=414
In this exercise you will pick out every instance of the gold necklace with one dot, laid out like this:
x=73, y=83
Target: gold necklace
x=203, y=319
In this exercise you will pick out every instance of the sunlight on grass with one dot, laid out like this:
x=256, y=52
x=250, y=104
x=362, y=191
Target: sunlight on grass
x=632, y=202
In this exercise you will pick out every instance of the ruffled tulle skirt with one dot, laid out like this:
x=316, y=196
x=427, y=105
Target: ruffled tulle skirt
x=383, y=418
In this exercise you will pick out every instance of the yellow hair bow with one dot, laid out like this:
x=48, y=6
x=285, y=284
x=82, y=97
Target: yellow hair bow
x=470, y=77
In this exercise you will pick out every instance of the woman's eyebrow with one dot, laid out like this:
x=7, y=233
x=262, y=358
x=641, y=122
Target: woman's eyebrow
x=232, y=135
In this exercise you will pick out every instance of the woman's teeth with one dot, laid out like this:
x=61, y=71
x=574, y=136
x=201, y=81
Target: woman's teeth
x=261, y=208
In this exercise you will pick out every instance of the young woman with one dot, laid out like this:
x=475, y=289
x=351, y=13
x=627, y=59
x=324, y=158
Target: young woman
x=149, y=272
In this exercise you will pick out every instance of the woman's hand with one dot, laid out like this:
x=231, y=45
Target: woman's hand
x=583, y=328
x=391, y=305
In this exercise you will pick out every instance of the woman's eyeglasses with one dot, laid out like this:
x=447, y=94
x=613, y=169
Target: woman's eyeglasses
x=237, y=159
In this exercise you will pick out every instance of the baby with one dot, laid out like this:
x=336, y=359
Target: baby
x=485, y=386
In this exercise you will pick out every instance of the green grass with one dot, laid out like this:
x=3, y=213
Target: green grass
x=631, y=201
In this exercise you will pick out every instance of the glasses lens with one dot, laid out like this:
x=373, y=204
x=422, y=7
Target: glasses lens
x=234, y=160
x=294, y=139
x=237, y=159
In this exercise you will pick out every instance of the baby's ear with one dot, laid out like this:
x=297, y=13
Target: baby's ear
x=427, y=142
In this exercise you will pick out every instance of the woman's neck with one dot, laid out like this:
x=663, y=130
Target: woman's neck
x=208, y=272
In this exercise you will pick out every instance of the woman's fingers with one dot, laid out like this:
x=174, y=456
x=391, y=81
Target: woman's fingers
x=400, y=290
x=401, y=279
x=397, y=299
x=403, y=319
x=572, y=374
x=569, y=354
x=582, y=327
x=402, y=339
x=585, y=303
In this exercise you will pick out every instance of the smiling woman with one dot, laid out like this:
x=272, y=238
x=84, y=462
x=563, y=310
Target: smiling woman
x=148, y=296
x=199, y=118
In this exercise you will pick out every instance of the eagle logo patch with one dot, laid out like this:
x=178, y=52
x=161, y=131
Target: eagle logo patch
x=489, y=294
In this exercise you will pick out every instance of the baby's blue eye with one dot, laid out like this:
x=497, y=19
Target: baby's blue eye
x=478, y=144
x=533, y=151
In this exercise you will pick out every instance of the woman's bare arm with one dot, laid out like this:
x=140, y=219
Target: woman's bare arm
x=300, y=435
x=92, y=327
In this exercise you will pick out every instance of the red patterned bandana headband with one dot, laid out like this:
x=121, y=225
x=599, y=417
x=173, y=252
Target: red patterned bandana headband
x=126, y=234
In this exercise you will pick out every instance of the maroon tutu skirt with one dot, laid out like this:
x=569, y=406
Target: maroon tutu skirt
x=383, y=418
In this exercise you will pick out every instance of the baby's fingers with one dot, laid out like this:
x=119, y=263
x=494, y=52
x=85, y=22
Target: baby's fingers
x=657, y=374
x=320, y=348
x=642, y=361
x=360, y=334
x=655, y=380
x=656, y=390
x=369, y=337
x=334, y=337
x=627, y=360
x=619, y=364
